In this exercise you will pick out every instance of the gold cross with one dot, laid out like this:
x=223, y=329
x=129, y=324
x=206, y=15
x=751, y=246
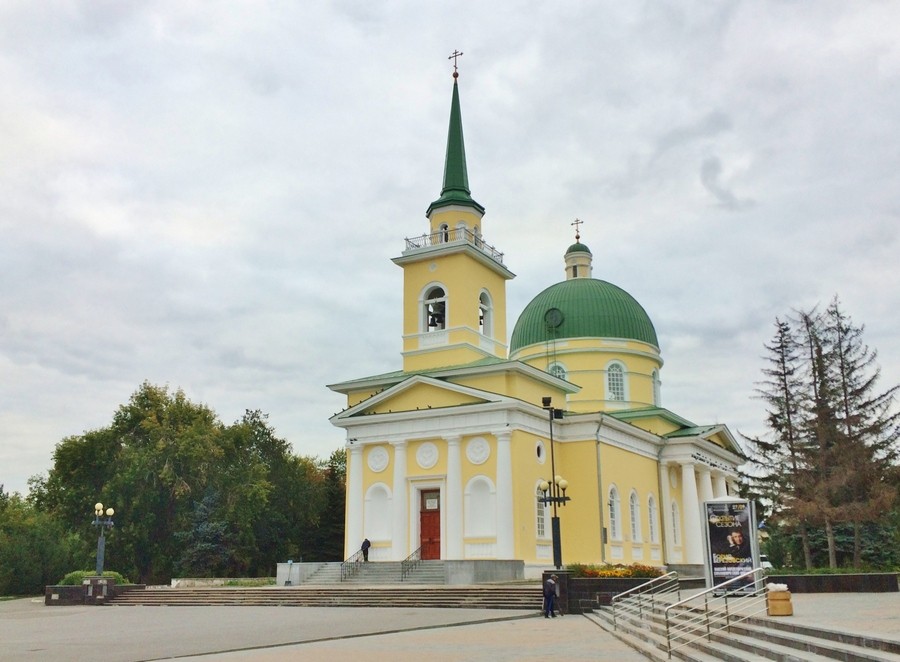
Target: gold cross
x=576, y=223
x=454, y=57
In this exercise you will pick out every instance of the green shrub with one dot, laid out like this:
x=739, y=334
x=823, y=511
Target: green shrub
x=77, y=577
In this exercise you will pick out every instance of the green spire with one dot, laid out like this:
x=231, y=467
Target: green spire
x=456, y=179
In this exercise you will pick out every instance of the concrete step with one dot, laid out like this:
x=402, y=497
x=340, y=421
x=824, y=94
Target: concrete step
x=527, y=597
x=753, y=639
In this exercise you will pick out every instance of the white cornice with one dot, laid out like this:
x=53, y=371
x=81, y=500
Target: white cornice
x=414, y=255
x=392, y=379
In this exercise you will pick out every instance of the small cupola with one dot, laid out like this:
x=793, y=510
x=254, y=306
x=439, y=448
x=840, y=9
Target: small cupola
x=579, y=259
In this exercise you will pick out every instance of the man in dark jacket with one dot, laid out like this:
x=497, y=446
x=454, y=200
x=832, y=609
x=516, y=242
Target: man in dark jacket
x=549, y=596
x=365, y=549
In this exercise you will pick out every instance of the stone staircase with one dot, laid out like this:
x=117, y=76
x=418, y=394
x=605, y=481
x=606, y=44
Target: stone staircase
x=500, y=596
x=753, y=639
x=390, y=572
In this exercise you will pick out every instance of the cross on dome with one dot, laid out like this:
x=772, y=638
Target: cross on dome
x=455, y=56
x=576, y=223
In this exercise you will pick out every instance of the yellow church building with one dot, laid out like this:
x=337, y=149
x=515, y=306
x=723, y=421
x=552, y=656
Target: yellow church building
x=447, y=457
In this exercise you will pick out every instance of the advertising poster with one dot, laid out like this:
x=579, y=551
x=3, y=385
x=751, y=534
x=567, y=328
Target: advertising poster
x=729, y=531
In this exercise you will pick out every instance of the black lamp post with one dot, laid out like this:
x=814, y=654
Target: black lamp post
x=554, y=492
x=102, y=524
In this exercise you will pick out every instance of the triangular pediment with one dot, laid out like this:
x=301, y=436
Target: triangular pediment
x=419, y=393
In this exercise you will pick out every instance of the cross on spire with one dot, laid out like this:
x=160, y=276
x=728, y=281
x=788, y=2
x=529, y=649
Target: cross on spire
x=455, y=56
x=576, y=223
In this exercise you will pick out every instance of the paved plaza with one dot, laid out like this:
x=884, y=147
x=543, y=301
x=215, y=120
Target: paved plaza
x=31, y=631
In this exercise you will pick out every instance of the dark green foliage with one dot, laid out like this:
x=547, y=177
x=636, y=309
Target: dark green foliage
x=205, y=549
x=879, y=549
x=35, y=549
x=192, y=495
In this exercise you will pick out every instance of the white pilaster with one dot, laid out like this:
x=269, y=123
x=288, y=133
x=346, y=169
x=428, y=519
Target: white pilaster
x=505, y=526
x=355, y=505
x=705, y=483
x=665, y=511
x=454, y=500
x=720, y=488
x=691, y=506
x=400, y=515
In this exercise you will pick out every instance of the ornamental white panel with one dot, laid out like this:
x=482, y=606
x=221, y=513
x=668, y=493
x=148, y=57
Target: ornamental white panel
x=616, y=552
x=543, y=552
x=378, y=459
x=637, y=553
x=478, y=450
x=655, y=554
x=427, y=455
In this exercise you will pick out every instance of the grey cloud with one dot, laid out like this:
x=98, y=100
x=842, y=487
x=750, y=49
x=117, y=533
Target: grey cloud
x=710, y=176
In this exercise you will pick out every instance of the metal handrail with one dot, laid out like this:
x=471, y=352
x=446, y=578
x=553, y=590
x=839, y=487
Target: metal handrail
x=687, y=623
x=454, y=235
x=409, y=564
x=351, y=566
x=632, y=601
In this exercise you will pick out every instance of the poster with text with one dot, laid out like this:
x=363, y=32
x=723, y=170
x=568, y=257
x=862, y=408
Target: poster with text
x=729, y=531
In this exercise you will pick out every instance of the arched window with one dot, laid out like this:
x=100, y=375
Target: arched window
x=615, y=382
x=377, y=513
x=445, y=233
x=676, y=524
x=657, y=400
x=615, y=514
x=480, y=507
x=653, y=519
x=558, y=370
x=634, y=512
x=434, y=310
x=485, y=314
x=542, y=515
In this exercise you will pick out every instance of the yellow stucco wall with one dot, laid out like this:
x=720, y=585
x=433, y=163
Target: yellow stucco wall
x=628, y=471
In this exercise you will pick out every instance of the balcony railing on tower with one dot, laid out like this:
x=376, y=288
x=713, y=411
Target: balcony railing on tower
x=453, y=236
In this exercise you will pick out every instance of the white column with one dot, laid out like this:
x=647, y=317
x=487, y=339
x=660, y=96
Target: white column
x=454, y=500
x=355, y=504
x=705, y=482
x=400, y=515
x=506, y=544
x=690, y=504
x=733, y=488
x=720, y=488
x=665, y=512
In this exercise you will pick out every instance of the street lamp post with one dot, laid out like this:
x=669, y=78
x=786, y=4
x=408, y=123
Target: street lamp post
x=102, y=524
x=555, y=491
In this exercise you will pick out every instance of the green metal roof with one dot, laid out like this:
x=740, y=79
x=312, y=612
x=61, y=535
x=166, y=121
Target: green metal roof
x=456, y=177
x=578, y=247
x=590, y=308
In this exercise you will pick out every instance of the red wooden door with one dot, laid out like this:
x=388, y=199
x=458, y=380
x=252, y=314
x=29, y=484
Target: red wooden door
x=430, y=525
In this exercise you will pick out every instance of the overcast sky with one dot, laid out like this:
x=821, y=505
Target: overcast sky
x=208, y=195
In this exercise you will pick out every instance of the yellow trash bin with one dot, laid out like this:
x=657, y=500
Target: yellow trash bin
x=778, y=603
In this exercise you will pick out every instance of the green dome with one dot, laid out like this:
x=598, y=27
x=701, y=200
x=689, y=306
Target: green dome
x=587, y=308
x=578, y=247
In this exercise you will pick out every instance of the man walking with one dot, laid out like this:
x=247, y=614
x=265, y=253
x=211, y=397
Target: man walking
x=365, y=549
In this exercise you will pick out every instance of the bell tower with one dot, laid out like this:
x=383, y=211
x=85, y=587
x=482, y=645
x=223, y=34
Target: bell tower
x=454, y=282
